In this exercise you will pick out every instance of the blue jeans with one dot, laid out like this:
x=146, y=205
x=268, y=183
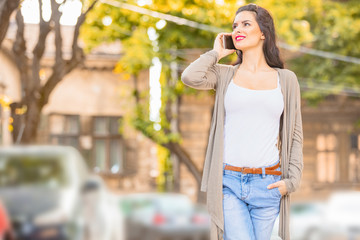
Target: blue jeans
x=250, y=209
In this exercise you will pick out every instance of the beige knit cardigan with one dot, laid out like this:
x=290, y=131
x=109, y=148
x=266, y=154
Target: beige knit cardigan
x=205, y=73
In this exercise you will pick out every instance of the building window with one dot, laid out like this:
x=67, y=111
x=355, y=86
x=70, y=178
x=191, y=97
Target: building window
x=354, y=139
x=108, y=145
x=354, y=158
x=64, y=129
x=327, y=159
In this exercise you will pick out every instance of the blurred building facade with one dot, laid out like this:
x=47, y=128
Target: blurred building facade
x=331, y=146
x=87, y=107
x=85, y=110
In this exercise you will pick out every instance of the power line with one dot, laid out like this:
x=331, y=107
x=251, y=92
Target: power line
x=183, y=21
x=320, y=53
x=328, y=88
x=168, y=17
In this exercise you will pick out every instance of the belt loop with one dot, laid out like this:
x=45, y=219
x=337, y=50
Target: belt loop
x=263, y=172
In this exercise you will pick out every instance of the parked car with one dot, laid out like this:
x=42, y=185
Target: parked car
x=305, y=219
x=334, y=219
x=342, y=217
x=160, y=216
x=47, y=191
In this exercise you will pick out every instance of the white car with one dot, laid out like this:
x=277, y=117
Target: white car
x=342, y=216
x=305, y=220
x=334, y=219
x=158, y=216
x=50, y=194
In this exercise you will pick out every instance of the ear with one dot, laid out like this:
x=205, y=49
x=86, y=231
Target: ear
x=262, y=36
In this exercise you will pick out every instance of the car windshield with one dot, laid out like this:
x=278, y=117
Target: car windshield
x=17, y=171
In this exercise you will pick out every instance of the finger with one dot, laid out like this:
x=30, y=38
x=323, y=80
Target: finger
x=231, y=50
x=220, y=35
x=273, y=185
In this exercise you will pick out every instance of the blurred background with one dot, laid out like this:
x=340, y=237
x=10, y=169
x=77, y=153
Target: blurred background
x=101, y=140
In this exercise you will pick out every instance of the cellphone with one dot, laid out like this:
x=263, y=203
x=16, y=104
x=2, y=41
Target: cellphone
x=228, y=42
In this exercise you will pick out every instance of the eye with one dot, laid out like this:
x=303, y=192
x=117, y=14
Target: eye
x=246, y=23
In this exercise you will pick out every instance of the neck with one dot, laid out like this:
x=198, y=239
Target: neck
x=253, y=60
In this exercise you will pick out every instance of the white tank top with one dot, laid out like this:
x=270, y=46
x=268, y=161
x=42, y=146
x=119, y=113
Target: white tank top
x=251, y=127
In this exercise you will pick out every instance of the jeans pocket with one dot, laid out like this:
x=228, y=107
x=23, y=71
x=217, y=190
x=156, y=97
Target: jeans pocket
x=278, y=192
x=277, y=178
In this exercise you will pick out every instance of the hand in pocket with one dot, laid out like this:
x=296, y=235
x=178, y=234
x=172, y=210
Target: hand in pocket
x=281, y=185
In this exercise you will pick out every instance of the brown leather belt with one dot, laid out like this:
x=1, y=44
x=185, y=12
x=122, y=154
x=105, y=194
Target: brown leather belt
x=268, y=170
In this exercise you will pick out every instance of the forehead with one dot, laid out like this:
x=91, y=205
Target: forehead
x=245, y=15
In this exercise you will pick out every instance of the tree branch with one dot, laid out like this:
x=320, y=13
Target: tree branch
x=56, y=15
x=19, y=50
x=39, y=49
x=184, y=157
x=77, y=58
x=6, y=9
x=77, y=52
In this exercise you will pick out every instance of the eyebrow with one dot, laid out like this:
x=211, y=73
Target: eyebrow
x=243, y=21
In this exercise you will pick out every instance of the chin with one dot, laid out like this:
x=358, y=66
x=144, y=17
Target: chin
x=247, y=47
x=242, y=48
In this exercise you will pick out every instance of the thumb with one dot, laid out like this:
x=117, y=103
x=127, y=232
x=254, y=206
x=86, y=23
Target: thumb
x=229, y=51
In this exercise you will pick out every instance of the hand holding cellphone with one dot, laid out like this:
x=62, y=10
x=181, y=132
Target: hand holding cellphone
x=228, y=42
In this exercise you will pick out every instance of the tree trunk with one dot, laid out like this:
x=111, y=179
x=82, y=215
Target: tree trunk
x=34, y=95
x=32, y=119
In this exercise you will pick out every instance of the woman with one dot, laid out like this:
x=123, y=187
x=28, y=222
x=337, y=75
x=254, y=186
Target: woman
x=256, y=124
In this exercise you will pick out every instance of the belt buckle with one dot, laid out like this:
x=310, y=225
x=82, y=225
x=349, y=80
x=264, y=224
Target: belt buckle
x=243, y=170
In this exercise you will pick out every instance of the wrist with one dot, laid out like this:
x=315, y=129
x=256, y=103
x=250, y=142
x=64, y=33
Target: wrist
x=288, y=185
x=219, y=56
x=215, y=53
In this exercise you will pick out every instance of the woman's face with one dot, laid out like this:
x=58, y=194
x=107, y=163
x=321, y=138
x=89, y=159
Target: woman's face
x=246, y=31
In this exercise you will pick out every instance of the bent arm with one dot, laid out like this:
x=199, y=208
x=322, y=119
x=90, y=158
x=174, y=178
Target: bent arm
x=296, y=164
x=203, y=73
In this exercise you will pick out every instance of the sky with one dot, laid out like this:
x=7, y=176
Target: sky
x=71, y=11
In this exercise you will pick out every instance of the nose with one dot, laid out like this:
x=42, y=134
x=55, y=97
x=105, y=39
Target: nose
x=236, y=29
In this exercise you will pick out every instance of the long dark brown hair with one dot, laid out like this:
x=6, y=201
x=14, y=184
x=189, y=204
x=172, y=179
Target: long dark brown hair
x=266, y=24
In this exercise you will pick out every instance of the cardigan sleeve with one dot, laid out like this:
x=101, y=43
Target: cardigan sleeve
x=203, y=73
x=296, y=164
